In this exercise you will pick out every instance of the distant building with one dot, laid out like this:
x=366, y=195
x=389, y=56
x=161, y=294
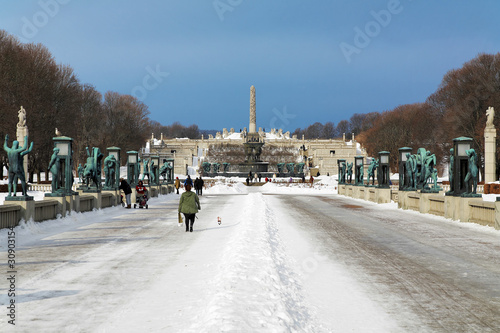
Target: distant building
x=188, y=154
x=318, y=155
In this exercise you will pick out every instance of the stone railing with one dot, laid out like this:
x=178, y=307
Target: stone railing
x=45, y=210
x=465, y=209
x=11, y=212
x=9, y=215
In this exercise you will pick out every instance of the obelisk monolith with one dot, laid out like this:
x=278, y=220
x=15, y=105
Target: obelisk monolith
x=253, y=118
x=490, y=138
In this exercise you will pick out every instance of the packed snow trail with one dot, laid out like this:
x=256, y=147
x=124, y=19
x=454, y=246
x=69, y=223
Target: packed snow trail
x=254, y=278
x=120, y=270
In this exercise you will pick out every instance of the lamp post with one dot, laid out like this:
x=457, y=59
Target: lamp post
x=383, y=169
x=132, y=160
x=460, y=165
x=65, y=146
x=403, y=178
x=358, y=170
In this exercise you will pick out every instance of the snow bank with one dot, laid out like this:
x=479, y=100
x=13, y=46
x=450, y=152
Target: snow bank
x=323, y=185
x=230, y=188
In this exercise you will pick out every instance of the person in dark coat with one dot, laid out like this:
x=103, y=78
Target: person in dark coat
x=197, y=186
x=189, y=181
x=126, y=190
x=201, y=183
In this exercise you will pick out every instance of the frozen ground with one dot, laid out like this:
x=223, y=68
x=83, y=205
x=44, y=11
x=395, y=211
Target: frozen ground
x=118, y=270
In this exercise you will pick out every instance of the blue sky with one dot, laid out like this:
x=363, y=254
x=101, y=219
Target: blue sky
x=310, y=61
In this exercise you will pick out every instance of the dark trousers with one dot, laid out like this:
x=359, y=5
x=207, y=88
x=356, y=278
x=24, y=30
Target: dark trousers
x=189, y=218
x=201, y=190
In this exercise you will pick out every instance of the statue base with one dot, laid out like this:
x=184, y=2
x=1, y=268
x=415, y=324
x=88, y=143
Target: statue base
x=55, y=194
x=19, y=198
x=471, y=195
x=91, y=190
x=431, y=190
x=108, y=188
x=254, y=167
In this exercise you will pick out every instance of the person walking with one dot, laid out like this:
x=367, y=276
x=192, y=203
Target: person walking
x=202, y=183
x=127, y=191
x=177, y=184
x=189, y=204
x=197, y=186
x=189, y=181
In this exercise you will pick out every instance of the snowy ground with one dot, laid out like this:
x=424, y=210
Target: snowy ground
x=118, y=270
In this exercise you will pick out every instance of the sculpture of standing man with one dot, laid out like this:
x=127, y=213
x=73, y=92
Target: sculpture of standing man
x=22, y=117
x=473, y=171
x=410, y=171
x=145, y=171
x=16, y=169
x=349, y=171
x=109, y=171
x=450, y=170
x=54, y=169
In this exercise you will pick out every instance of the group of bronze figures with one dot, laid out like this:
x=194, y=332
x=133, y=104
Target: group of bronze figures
x=345, y=172
x=89, y=174
x=283, y=168
x=417, y=172
x=420, y=170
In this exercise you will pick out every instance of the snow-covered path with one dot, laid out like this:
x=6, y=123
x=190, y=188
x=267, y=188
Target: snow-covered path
x=118, y=270
x=264, y=269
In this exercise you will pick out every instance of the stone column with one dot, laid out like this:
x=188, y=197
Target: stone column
x=22, y=132
x=253, y=117
x=490, y=135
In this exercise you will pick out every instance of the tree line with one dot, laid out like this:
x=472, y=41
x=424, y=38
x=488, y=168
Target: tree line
x=53, y=97
x=457, y=108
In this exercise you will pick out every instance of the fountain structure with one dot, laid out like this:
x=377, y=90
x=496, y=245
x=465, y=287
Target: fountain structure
x=253, y=142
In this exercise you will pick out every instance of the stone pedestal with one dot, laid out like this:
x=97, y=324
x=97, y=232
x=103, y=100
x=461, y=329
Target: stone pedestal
x=76, y=202
x=497, y=215
x=383, y=195
x=97, y=199
x=490, y=139
x=62, y=203
x=27, y=206
x=21, y=133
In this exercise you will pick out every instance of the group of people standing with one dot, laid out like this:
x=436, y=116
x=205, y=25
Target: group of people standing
x=127, y=190
x=198, y=184
x=189, y=202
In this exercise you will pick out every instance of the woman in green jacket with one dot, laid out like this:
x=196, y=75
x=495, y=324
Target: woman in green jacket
x=189, y=204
